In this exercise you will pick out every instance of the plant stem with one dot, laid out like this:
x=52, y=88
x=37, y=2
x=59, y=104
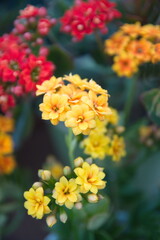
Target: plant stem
x=130, y=99
x=71, y=143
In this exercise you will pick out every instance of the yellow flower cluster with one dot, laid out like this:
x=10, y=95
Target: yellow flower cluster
x=149, y=135
x=132, y=46
x=77, y=102
x=49, y=195
x=7, y=161
x=104, y=139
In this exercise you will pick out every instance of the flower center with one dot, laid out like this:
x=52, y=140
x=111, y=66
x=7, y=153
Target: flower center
x=80, y=27
x=80, y=119
x=55, y=108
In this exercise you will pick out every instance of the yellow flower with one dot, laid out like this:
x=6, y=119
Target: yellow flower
x=117, y=149
x=140, y=49
x=113, y=118
x=76, y=80
x=6, y=124
x=133, y=30
x=57, y=171
x=7, y=164
x=54, y=107
x=89, y=177
x=6, y=144
x=150, y=31
x=100, y=127
x=81, y=119
x=49, y=86
x=74, y=94
x=96, y=144
x=116, y=43
x=125, y=65
x=93, y=86
x=66, y=192
x=99, y=104
x=37, y=203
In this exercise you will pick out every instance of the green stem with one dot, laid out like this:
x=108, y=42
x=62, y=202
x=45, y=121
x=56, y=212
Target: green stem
x=130, y=99
x=71, y=144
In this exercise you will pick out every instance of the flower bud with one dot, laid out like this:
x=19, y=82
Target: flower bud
x=42, y=11
x=44, y=174
x=89, y=160
x=92, y=198
x=66, y=170
x=120, y=129
x=27, y=36
x=36, y=185
x=63, y=217
x=78, y=162
x=78, y=205
x=51, y=220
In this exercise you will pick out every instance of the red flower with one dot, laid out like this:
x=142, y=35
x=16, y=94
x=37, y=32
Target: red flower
x=85, y=17
x=44, y=26
x=7, y=101
x=29, y=11
x=35, y=71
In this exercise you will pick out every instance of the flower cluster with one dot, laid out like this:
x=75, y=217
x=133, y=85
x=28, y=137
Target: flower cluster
x=149, y=135
x=7, y=162
x=32, y=25
x=87, y=16
x=78, y=103
x=73, y=189
x=104, y=140
x=20, y=71
x=132, y=46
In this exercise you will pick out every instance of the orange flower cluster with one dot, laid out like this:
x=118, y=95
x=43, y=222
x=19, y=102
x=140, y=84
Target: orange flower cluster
x=78, y=102
x=132, y=46
x=7, y=162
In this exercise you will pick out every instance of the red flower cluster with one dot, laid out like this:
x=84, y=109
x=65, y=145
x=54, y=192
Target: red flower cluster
x=85, y=17
x=32, y=25
x=20, y=71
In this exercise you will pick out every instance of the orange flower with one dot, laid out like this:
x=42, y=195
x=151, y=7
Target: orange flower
x=125, y=65
x=6, y=124
x=6, y=144
x=156, y=53
x=7, y=164
x=81, y=119
x=116, y=43
x=49, y=86
x=99, y=104
x=140, y=49
x=150, y=31
x=133, y=30
x=54, y=108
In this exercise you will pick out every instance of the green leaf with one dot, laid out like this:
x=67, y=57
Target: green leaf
x=151, y=101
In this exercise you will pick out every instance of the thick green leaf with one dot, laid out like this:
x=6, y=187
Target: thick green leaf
x=151, y=101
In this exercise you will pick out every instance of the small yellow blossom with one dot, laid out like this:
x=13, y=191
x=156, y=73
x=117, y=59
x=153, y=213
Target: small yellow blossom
x=100, y=126
x=81, y=119
x=89, y=177
x=95, y=145
x=76, y=80
x=66, y=192
x=7, y=164
x=113, y=118
x=6, y=144
x=117, y=148
x=93, y=86
x=57, y=171
x=49, y=86
x=54, y=108
x=37, y=203
x=150, y=31
x=99, y=104
x=6, y=124
x=133, y=30
x=125, y=65
x=156, y=53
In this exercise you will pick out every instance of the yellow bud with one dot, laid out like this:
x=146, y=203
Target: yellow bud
x=78, y=162
x=66, y=170
x=51, y=220
x=44, y=174
x=78, y=205
x=92, y=198
x=36, y=185
x=89, y=160
x=120, y=129
x=63, y=217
